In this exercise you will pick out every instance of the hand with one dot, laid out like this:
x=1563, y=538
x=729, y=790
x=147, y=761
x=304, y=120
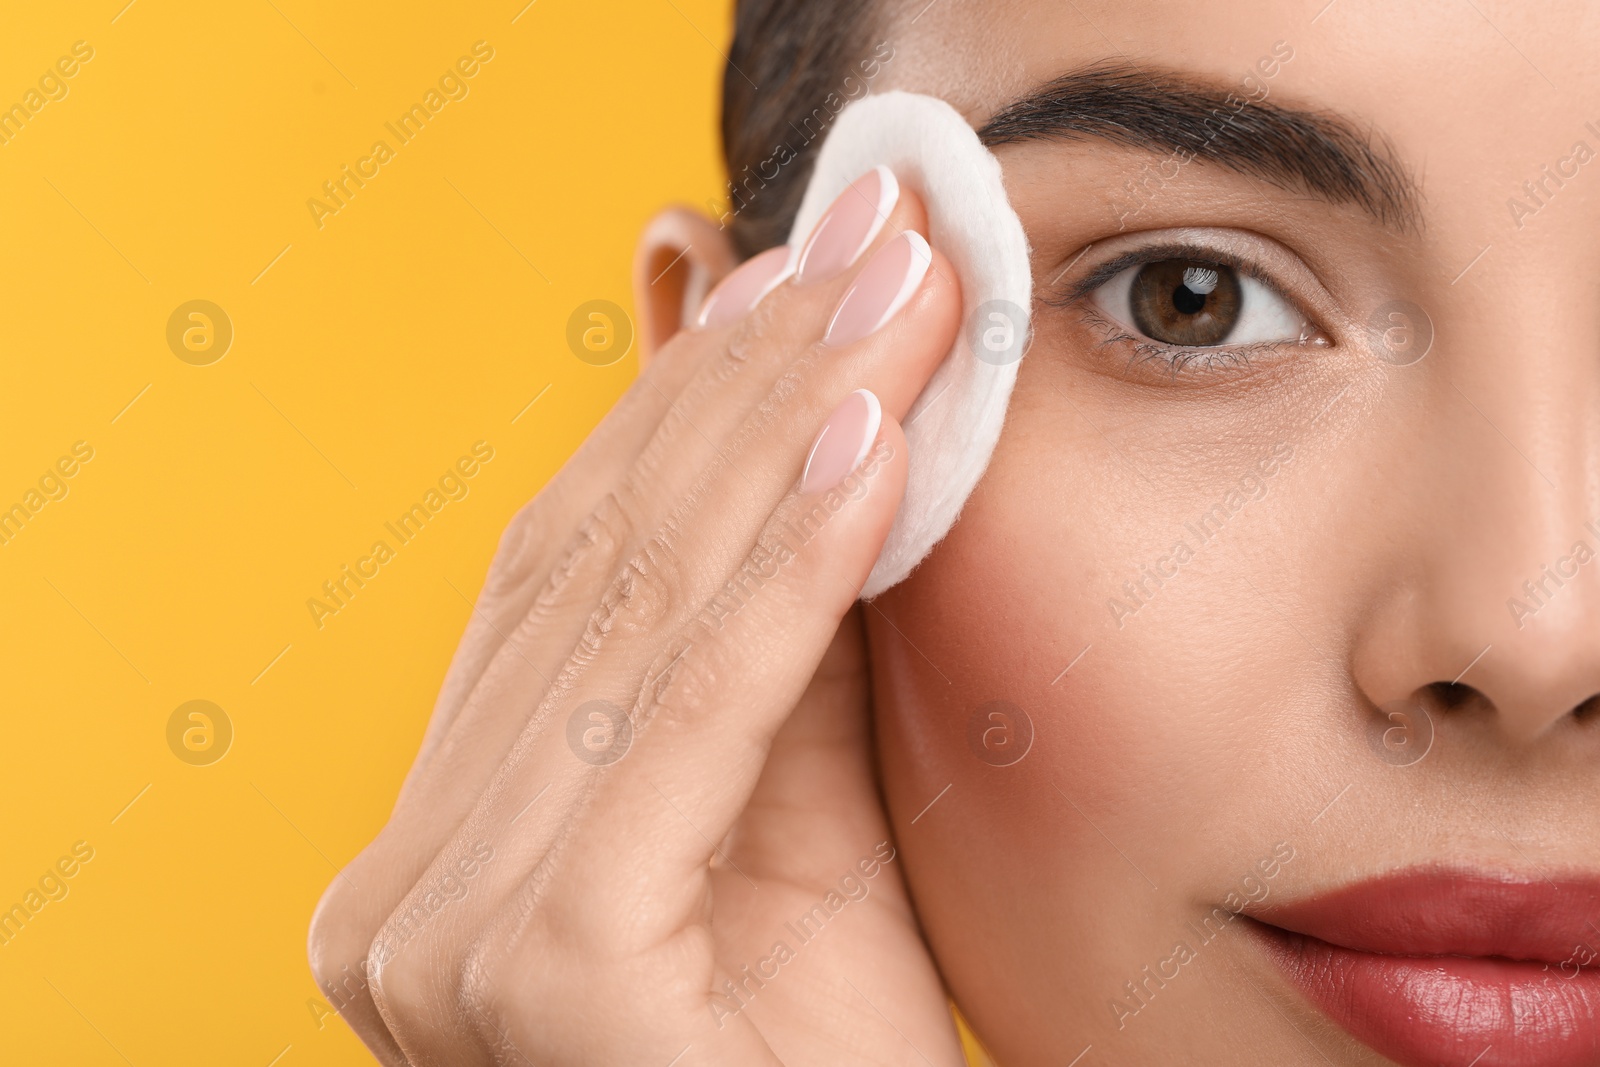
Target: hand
x=650, y=766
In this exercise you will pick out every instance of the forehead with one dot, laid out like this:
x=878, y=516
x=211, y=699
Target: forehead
x=1479, y=92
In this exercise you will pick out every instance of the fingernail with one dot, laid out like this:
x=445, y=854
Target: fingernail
x=880, y=290
x=737, y=294
x=849, y=226
x=843, y=441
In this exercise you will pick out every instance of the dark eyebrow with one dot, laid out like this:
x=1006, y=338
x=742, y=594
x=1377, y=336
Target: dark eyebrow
x=1178, y=114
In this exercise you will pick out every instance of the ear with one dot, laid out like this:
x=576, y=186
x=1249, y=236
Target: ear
x=682, y=254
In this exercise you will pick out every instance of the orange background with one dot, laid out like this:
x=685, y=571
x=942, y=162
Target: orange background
x=371, y=347
x=422, y=317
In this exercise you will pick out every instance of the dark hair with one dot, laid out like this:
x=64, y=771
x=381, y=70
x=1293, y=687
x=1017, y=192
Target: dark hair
x=787, y=57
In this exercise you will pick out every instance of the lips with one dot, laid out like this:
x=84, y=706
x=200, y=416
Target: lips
x=1450, y=968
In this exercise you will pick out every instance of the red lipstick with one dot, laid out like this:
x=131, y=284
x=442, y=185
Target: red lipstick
x=1438, y=966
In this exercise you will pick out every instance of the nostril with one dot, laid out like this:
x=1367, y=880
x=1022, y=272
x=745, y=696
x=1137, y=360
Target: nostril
x=1453, y=696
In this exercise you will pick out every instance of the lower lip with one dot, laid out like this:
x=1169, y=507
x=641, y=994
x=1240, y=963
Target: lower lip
x=1423, y=1011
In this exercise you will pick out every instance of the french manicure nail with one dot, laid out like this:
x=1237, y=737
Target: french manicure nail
x=880, y=290
x=849, y=226
x=738, y=294
x=842, y=442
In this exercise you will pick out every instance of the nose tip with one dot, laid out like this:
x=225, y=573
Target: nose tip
x=1469, y=661
x=1535, y=681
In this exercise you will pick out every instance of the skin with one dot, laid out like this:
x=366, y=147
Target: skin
x=1233, y=707
x=1229, y=714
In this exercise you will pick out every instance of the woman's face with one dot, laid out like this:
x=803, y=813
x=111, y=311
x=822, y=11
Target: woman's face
x=1200, y=578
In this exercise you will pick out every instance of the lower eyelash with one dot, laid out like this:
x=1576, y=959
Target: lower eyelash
x=1175, y=358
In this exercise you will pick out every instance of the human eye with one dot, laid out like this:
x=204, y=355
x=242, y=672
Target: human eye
x=1189, y=307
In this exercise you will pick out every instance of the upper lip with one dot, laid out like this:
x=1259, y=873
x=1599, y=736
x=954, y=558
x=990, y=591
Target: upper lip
x=1446, y=911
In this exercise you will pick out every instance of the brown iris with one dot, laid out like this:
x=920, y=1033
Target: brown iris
x=1185, y=301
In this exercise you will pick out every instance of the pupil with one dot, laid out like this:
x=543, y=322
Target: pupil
x=1187, y=300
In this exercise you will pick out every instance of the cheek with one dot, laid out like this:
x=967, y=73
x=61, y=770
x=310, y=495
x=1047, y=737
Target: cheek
x=975, y=688
x=1058, y=603
x=1109, y=536
x=1144, y=766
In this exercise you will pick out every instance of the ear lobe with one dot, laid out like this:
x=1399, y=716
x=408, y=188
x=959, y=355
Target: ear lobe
x=681, y=255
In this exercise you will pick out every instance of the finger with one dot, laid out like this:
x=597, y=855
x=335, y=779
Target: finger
x=814, y=825
x=535, y=599
x=409, y=985
x=877, y=335
x=550, y=944
x=761, y=343
x=397, y=870
x=532, y=541
x=710, y=534
x=750, y=347
x=694, y=554
x=720, y=396
x=532, y=548
x=709, y=718
x=723, y=391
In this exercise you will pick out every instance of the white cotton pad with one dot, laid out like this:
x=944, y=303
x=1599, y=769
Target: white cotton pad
x=954, y=424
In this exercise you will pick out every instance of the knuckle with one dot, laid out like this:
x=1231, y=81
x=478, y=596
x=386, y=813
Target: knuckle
x=644, y=593
x=596, y=543
x=655, y=581
x=609, y=526
x=337, y=943
x=685, y=681
x=524, y=541
x=680, y=685
x=756, y=334
x=396, y=988
x=403, y=984
x=346, y=921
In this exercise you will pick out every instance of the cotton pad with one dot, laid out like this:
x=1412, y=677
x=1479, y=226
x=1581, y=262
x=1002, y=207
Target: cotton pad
x=954, y=424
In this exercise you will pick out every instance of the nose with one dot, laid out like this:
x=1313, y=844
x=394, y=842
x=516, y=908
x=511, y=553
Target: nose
x=1496, y=582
